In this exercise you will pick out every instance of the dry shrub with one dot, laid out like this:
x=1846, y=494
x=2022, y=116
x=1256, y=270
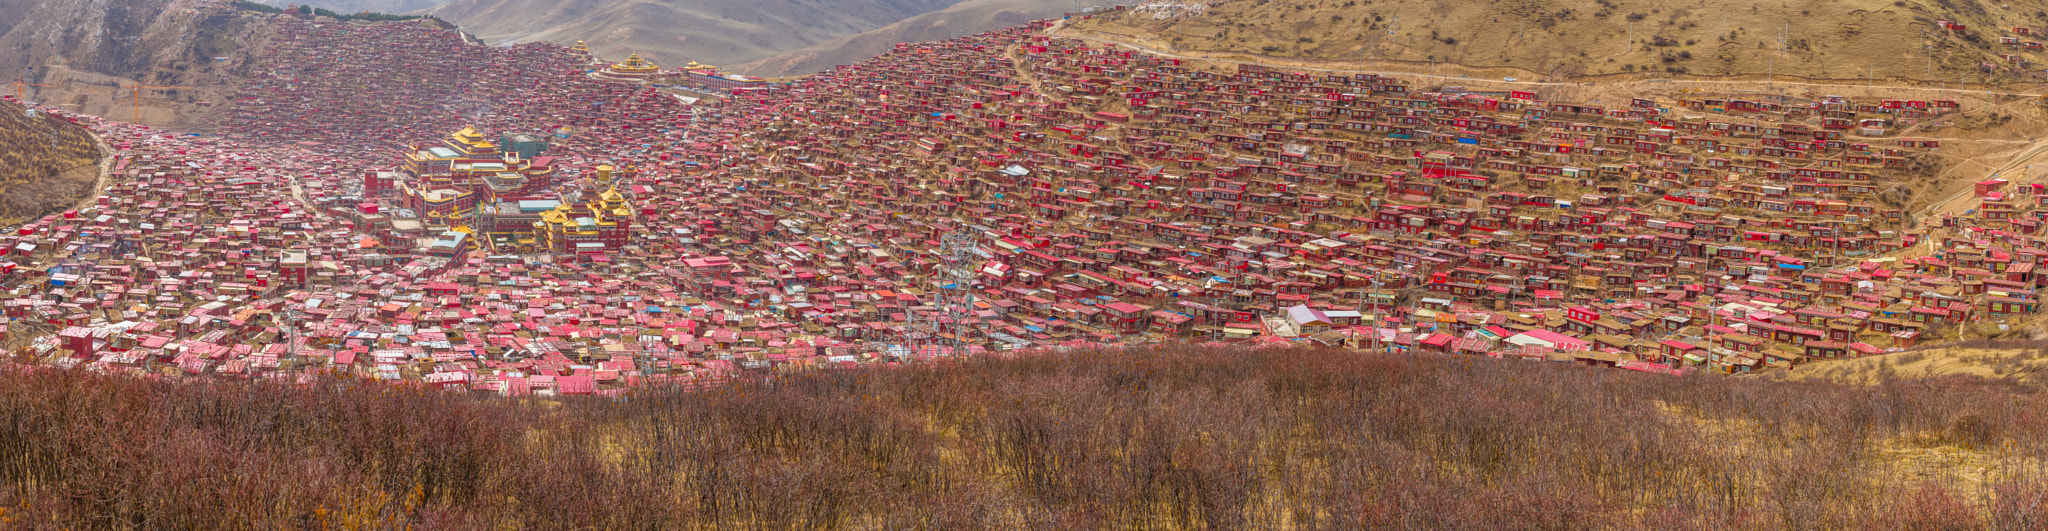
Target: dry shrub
x=1165, y=437
x=1927, y=507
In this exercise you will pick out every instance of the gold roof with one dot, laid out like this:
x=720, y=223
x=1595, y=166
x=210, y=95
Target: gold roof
x=558, y=216
x=469, y=135
x=635, y=64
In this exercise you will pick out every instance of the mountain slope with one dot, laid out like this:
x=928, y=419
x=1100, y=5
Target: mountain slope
x=88, y=49
x=675, y=31
x=966, y=18
x=46, y=164
x=1833, y=39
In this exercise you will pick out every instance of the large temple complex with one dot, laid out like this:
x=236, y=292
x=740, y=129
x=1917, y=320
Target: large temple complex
x=599, y=226
x=632, y=70
x=477, y=194
x=449, y=180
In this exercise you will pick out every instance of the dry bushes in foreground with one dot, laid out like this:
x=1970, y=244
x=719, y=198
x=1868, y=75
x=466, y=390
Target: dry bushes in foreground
x=1156, y=438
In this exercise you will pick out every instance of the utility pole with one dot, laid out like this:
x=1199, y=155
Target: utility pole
x=1391, y=37
x=1361, y=311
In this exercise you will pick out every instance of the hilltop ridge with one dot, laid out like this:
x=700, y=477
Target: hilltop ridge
x=965, y=18
x=1832, y=39
x=672, y=32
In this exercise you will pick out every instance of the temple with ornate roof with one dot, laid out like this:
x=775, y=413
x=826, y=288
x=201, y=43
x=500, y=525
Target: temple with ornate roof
x=447, y=181
x=589, y=231
x=632, y=70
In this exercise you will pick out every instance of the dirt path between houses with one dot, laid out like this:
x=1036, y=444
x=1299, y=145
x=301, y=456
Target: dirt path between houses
x=106, y=176
x=2029, y=154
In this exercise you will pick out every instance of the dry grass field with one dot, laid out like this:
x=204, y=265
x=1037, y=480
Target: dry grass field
x=2019, y=362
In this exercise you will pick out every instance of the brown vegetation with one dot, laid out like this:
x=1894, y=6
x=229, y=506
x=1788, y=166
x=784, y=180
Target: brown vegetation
x=2018, y=362
x=1166, y=438
x=47, y=164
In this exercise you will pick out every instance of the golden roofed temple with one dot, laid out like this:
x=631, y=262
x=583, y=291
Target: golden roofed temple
x=600, y=226
x=633, y=69
x=466, y=170
x=472, y=143
x=581, y=47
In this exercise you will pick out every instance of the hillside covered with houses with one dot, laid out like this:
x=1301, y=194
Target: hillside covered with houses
x=542, y=221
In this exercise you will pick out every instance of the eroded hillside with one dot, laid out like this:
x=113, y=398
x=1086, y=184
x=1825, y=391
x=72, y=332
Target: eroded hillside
x=965, y=18
x=87, y=54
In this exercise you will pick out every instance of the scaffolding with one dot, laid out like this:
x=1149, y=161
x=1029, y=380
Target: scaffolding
x=944, y=330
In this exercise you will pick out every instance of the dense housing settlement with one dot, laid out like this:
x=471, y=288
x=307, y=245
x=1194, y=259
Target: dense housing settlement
x=532, y=219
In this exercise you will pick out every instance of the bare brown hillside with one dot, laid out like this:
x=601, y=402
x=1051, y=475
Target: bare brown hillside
x=966, y=18
x=47, y=164
x=674, y=31
x=1826, y=39
x=89, y=51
